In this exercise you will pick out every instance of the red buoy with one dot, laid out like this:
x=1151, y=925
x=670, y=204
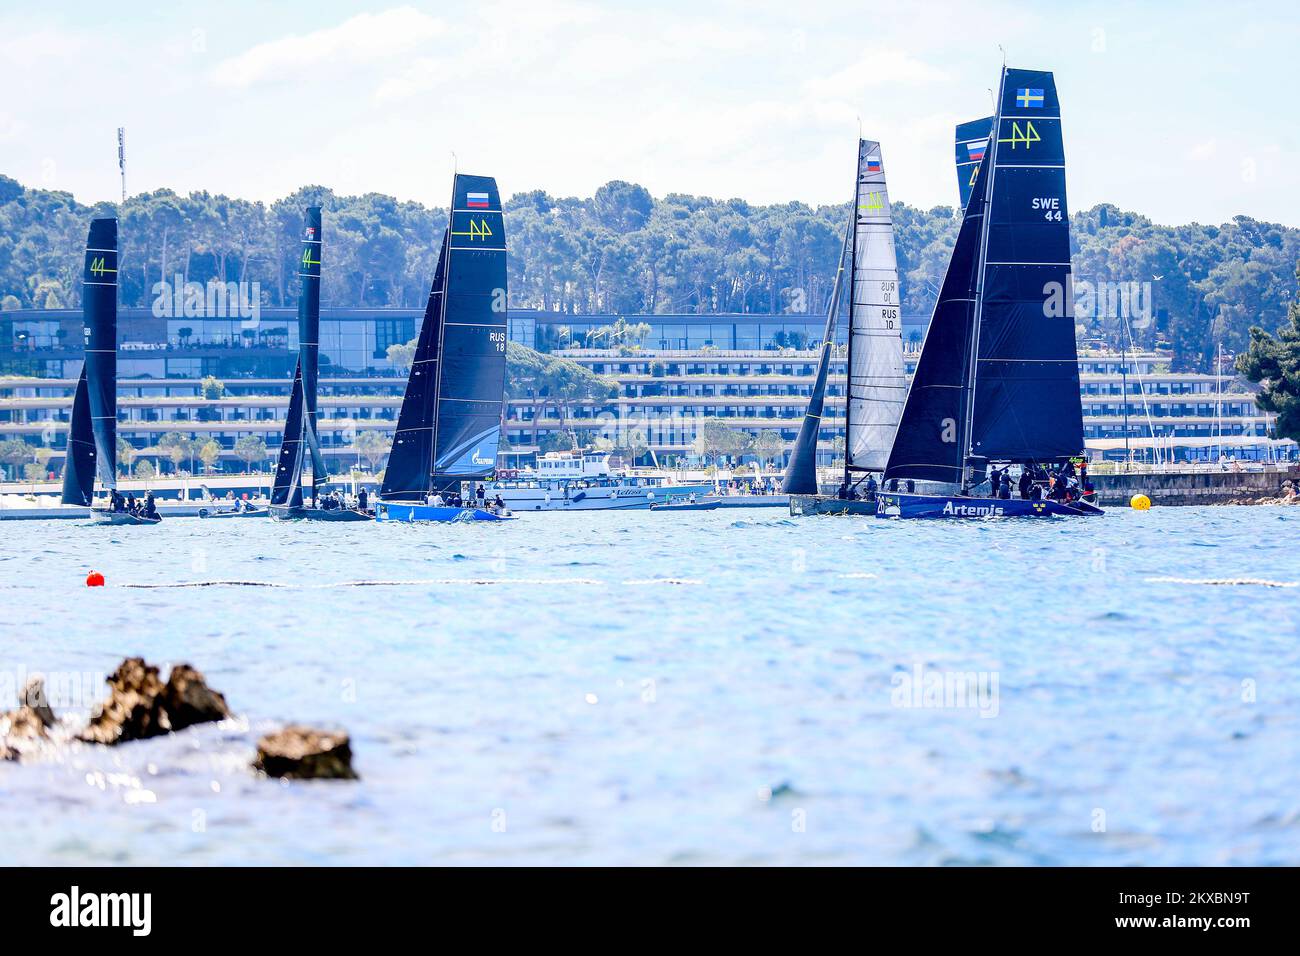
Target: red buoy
x=94, y=580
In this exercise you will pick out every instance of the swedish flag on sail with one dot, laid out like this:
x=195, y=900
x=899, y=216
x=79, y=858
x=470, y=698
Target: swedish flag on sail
x=1029, y=98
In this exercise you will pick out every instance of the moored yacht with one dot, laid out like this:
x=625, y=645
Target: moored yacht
x=583, y=481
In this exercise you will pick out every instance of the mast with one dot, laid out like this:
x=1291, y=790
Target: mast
x=992, y=159
x=853, y=295
x=442, y=328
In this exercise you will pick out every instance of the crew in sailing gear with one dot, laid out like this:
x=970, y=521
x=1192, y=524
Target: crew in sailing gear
x=362, y=500
x=870, y=487
x=1026, y=482
x=995, y=483
x=843, y=492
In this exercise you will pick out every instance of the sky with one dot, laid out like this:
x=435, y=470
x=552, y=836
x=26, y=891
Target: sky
x=1184, y=112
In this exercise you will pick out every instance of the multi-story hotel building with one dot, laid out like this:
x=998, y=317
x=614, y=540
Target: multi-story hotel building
x=752, y=371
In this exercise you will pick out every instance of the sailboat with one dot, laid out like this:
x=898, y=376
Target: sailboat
x=876, y=377
x=997, y=382
x=92, y=439
x=450, y=424
x=300, y=440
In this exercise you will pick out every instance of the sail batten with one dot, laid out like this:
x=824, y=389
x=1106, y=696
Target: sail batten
x=876, y=386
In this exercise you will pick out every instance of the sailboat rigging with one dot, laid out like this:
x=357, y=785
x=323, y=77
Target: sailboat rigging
x=997, y=382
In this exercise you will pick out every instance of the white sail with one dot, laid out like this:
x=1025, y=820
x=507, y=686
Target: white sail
x=877, y=386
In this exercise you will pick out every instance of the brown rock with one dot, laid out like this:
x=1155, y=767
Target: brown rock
x=189, y=700
x=304, y=753
x=22, y=724
x=33, y=699
x=134, y=709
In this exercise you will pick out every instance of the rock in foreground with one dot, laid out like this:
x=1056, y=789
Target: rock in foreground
x=189, y=700
x=140, y=705
x=304, y=753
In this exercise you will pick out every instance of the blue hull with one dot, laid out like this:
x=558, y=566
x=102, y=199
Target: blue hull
x=401, y=511
x=893, y=505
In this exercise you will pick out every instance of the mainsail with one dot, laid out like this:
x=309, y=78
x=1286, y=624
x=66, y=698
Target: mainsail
x=1026, y=404
x=972, y=145
x=998, y=377
x=876, y=376
x=92, y=440
x=450, y=423
x=300, y=436
x=801, y=473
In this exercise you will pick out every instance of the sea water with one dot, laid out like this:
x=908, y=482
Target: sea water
x=689, y=688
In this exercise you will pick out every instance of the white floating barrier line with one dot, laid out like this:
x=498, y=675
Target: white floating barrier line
x=1258, y=582
x=663, y=581
x=363, y=584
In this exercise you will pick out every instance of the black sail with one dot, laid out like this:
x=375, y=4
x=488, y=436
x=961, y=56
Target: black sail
x=288, y=471
x=450, y=424
x=309, y=267
x=930, y=442
x=94, y=417
x=801, y=473
x=972, y=145
x=300, y=423
x=472, y=360
x=407, y=477
x=1026, y=404
x=79, y=469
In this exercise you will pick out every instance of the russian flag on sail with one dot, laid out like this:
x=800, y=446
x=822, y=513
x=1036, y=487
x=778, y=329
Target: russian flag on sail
x=476, y=200
x=976, y=150
x=873, y=165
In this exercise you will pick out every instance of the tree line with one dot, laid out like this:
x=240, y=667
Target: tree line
x=622, y=251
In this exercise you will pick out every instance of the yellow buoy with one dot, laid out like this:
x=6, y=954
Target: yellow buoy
x=1140, y=502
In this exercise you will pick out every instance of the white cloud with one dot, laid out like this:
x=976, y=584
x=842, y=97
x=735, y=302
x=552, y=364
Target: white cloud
x=366, y=38
x=878, y=68
x=1203, y=150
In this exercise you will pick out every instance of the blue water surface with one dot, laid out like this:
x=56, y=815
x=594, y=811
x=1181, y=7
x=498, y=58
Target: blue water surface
x=690, y=688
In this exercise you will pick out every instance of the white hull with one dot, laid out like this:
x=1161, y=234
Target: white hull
x=593, y=498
